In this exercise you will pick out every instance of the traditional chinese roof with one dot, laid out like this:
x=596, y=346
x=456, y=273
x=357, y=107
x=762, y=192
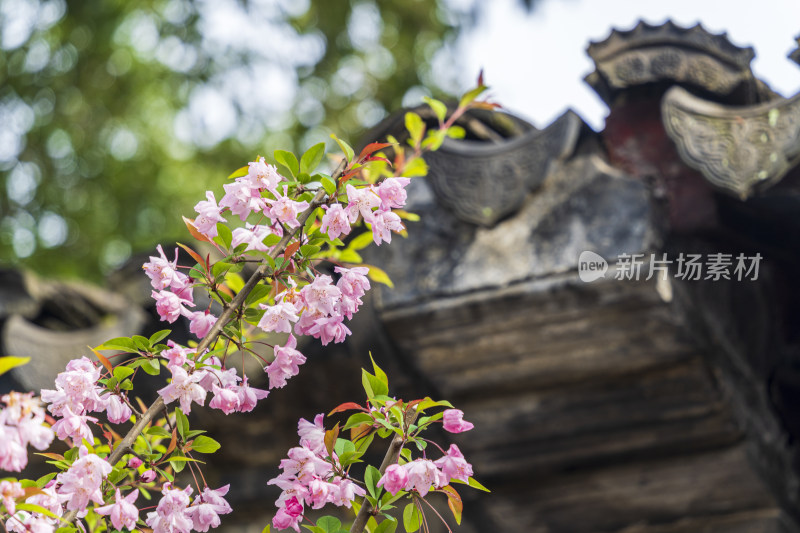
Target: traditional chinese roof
x=668, y=52
x=795, y=55
x=738, y=149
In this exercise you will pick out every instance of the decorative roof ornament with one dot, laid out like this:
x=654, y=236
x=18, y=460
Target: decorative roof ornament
x=482, y=183
x=738, y=149
x=795, y=55
x=648, y=54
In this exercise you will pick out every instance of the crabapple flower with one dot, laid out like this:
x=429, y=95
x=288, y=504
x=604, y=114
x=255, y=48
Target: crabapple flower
x=321, y=296
x=353, y=281
x=169, y=305
x=394, y=479
x=73, y=426
x=117, y=410
x=286, y=363
x=160, y=270
x=123, y=512
x=253, y=236
x=334, y=222
x=208, y=214
x=422, y=473
x=285, y=210
x=284, y=519
x=134, y=462
x=242, y=198
x=184, y=388
x=9, y=492
x=312, y=436
x=392, y=192
x=454, y=466
x=383, y=224
x=21, y=423
x=262, y=175
x=344, y=492
x=170, y=514
x=200, y=323
x=249, y=396
x=175, y=354
x=148, y=476
x=361, y=201
x=277, y=317
x=328, y=329
x=226, y=400
x=207, y=507
x=76, y=388
x=454, y=422
x=81, y=483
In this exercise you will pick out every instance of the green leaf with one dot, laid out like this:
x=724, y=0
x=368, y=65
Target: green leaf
x=470, y=96
x=412, y=518
x=476, y=485
x=159, y=336
x=151, y=366
x=329, y=524
x=239, y=172
x=33, y=508
x=329, y=185
x=266, y=529
x=205, y=444
x=379, y=373
x=415, y=127
x=157, y=431
x=123, y=344
x=371, y=477
x=121, y=372
x=271, y=240
x=126, y=385
x=357, y=419
x=182, y=422
x=10, y=361
x=456, y=132
x=438, y=107
x=308, y=250
x=311, y=159
x=289, y=160
x=224, y=236
x=416, y=167
x=361, y=242
x=388, y=525
x=44, y=480
x=379, y=275
x=346, y=148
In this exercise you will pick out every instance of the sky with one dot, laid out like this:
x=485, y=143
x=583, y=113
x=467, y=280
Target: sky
x=535, y=62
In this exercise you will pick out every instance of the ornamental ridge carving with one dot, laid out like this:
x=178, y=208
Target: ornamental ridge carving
x=647, y=54
x=482, y=183
x=738, y=149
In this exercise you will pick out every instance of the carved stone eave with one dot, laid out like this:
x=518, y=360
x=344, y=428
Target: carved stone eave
x=737, y=149
x=668, y=52
x=795, y=55
x=482, y=183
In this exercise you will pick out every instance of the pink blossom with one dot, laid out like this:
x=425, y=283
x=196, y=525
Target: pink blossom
x=392, y=192
x=262, y=175
x=318, y=490
x=183, y=388
x=134, y=462
x=148, y=476
x=329, y=329
x=176, y=354
x=200, y=323
x=209, y=213
x=422, y=474
x=13, y=454
x=454, y=466
x=321, y=296
x=304, y=465
x=283, y=520
x=311, y=435
x=286, y=363
x=9, y=492
x=76, y=388
x=252, y=235
x=361, y=201
x=160, y=270
x=353, y=281
x=169, y=305
x=226, y=400
x=394, y=479
x=117, y=410
x=344, y=492
x=72, y=426
x=293, y=506
x=242, y=198
x=81, y=482
x=170, y=514
x=453, y=421
x=383, y=224
x=334, y=222
x=248, y=396
x=25, y=522
x=123, y=512
x=278, y=317
x=285, y=210
x=206, y=509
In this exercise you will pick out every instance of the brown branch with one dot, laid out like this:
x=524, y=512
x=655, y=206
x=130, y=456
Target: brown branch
x=391, y=457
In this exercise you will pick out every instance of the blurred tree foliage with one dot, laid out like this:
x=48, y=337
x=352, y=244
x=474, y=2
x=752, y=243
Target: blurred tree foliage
x=115, y=116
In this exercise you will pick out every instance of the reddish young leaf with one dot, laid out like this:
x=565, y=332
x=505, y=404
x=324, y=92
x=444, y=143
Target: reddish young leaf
x=53, y=456
x=330, y=438
x=346, y=407
x=370, y=149
x=480, y=78
x=172, y=443
x=197, y=257
x=291, y=249
x=31, y=491
x=454, y=502
x=106, y=363
x=196, y=234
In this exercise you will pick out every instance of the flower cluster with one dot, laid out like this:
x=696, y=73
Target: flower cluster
x=27, y=522
x=21, y=423
x=311, y=477
x=177, y=513
x=231, y=393
x=374, y=204
x=422, y=474
x=78, y=393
